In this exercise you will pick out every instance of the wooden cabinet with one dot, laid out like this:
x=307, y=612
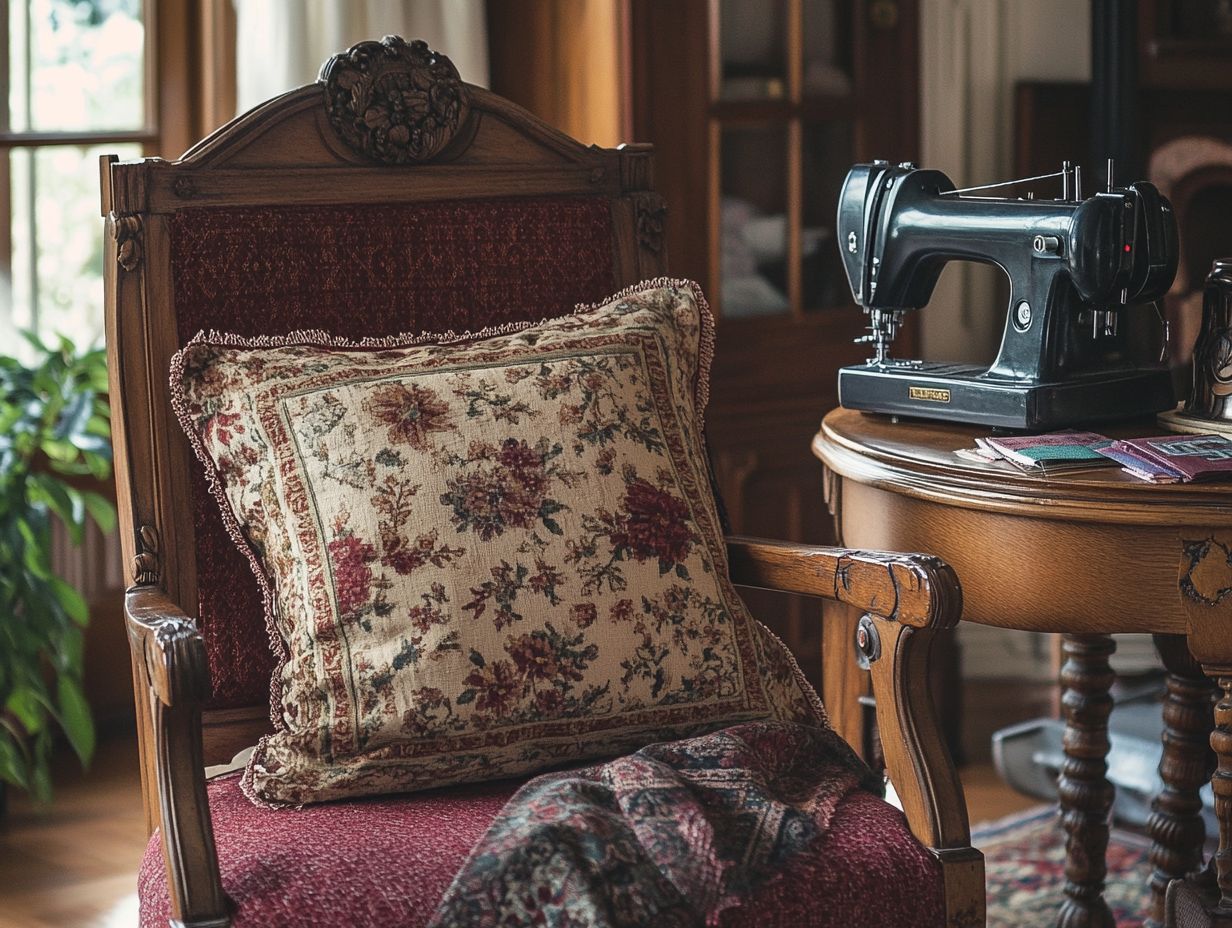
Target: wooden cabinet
x=1185, y=44
x=756, y=110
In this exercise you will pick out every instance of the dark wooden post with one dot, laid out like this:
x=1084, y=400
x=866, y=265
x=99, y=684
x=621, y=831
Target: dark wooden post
x=1085, y=793
x=1114, y=89
x=1175, y=826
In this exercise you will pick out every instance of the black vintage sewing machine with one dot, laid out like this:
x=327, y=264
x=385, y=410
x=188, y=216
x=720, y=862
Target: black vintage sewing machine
x=1083, y=340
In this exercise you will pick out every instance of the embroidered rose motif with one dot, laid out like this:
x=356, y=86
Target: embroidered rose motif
x=549, y=702
x=496, y=688
x=548, y=656
x=349, y=558
x=652, y=524
x=535, y=658
x=411, y=413
x=621, y=610
x=583, y=614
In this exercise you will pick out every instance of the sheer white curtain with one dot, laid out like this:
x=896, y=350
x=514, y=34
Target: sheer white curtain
x=281, y=44
x=972, y=53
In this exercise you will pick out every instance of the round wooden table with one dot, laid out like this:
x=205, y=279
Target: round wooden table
x=1085, y=554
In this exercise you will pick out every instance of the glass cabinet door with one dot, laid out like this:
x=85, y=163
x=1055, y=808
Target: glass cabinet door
x=827, y=156
x=826, y=49
x=753, y=50
x=753, y=212
x=781, y=130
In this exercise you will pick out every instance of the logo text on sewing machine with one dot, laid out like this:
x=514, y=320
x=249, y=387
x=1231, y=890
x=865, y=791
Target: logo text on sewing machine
x=929, y=393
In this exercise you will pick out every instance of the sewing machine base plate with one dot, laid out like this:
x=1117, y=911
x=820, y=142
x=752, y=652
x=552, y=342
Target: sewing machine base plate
x=965, y=393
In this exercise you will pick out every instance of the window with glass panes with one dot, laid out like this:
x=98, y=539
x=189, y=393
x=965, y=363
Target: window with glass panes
x=78, y=84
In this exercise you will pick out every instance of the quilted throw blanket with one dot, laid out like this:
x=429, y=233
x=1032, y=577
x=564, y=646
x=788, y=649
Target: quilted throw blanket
x=671, y=835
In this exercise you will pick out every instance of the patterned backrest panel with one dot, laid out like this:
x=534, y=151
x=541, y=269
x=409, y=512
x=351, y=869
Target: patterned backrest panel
x=364, y=270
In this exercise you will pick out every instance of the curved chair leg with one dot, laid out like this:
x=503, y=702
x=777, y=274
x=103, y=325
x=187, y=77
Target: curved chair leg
x=930, y=792
x=1085, y=793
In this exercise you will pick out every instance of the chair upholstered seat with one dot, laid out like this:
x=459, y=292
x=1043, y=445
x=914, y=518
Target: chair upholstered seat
x=386, y=864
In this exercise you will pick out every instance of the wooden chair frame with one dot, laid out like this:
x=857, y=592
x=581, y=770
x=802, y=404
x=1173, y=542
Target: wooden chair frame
x=287, y=151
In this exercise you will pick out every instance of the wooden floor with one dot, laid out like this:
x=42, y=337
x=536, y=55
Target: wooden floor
x=75, y=862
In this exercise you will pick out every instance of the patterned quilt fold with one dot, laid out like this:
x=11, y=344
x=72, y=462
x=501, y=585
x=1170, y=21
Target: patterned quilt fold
x=671, y=835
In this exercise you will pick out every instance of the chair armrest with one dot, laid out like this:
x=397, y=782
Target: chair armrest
x=907, y=600
x=169, y=656
x=913, y=589
x=169, y=647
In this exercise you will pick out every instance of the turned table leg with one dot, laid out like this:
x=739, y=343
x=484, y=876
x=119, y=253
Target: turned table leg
x=1083, y=787
x=1175, y=825
x=1221, y=784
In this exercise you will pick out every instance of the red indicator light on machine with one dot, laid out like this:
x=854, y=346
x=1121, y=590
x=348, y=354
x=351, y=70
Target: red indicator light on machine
x=1127, y=247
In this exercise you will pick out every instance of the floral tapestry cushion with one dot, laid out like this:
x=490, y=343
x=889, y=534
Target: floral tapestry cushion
x=481, y=555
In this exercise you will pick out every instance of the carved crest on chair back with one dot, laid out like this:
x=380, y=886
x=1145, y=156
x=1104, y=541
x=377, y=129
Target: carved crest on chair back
x=395, y=101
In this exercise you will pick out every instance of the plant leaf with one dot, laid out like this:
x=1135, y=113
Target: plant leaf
x=101, y=510
x=12, y=761
x=64, y=501
x=75, y=417
x=40, y=781
x=34, y=555
x=27, y=709
x=75, y=717
x=72, y=601
x=59, y=451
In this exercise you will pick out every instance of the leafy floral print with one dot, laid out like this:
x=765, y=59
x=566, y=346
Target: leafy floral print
x=411, y=412
x=494, y=687
x=546, y=666
x=485, y=398
x=592, y=400
x=507, y=581
x=481, y=558
x=652, y=524
x=508, y=490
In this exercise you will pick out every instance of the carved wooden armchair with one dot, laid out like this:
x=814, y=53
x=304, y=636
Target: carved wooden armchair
x=277, y=222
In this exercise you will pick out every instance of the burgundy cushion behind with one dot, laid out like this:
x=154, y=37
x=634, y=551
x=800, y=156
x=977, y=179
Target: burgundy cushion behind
x=356, y=271
x=386, y=863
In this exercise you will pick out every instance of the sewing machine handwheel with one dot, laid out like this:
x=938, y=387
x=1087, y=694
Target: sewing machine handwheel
x=1156, y=245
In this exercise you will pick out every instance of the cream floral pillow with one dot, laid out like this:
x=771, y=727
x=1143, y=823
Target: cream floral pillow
x=482, y=555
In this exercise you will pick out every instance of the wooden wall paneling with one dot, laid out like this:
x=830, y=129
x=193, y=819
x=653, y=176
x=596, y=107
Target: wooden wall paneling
x=886, y=56
x=217, y=37
x=565, y=61
x=1185, y=56
x=670, y=77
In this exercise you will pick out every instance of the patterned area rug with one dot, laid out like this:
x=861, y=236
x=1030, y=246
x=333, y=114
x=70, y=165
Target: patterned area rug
x=1025, y=864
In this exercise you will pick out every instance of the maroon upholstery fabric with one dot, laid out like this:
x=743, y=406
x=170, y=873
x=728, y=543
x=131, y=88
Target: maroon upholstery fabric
x=363, y=863
x=870, y=870
x=362, y=270
x=386, y=863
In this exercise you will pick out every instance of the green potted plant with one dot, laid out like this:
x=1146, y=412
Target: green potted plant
x=54, y=445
